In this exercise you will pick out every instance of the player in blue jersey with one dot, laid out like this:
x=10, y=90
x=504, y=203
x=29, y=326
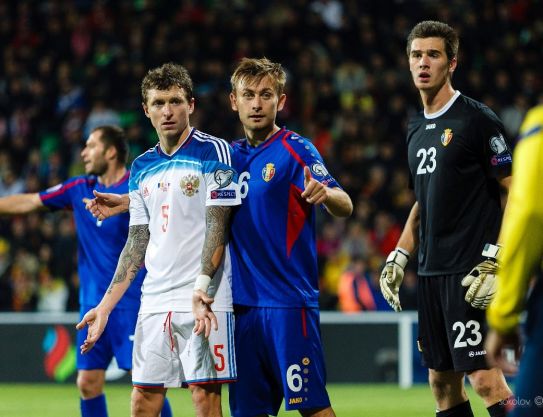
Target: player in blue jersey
x=99, y=245
x=274, y=258
x=181, y=192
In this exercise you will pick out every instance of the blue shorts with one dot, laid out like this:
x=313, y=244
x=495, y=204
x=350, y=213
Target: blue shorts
x=116, y=341
x=279, y=355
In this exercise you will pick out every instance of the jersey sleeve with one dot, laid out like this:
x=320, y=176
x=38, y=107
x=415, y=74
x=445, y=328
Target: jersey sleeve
x=522, y=228
x=497, y=149
x=220, y=177
x=137, y=208
x=60, y=196
x=307, y=155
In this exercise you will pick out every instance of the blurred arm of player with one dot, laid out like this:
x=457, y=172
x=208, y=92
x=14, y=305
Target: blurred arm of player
x=481, y=281
x=105, y=205
x=337, y=202
x=521, y=234
x=20, y=204
x=130, y=261
x=217, y=224
x=393, y=272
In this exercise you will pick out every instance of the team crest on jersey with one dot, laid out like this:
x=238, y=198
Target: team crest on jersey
x=268, y=172
x=223, y=178
x=446, y=137
x=189, y=185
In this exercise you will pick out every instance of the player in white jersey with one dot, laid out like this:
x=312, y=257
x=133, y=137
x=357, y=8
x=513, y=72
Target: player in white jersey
x=181, y=193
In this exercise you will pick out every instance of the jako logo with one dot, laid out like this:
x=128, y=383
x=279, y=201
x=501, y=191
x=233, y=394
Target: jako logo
x=296, y=400
x=59, y=362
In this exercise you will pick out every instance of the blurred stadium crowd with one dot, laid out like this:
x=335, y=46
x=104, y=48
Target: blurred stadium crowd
x=69, y=66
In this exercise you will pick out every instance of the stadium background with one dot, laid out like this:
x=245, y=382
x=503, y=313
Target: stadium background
x=68, y=66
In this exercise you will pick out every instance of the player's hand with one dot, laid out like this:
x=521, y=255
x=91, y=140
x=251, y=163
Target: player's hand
x=392, y=277
x=481, y=281
x=314, y=191
x=96, y=319
x=107, y=204
x=497, y=345
x=204, y=318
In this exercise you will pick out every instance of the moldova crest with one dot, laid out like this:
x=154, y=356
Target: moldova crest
x=268, y=172
x=446, y=136
x=189, y=185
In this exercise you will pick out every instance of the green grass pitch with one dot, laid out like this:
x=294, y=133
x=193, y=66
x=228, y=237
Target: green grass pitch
x=348, y=400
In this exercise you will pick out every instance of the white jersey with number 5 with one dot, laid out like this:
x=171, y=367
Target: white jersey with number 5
x=170, y=193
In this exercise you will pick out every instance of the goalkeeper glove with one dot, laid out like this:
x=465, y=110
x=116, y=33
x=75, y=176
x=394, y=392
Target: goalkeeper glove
x=481, y=281
x=392, y=277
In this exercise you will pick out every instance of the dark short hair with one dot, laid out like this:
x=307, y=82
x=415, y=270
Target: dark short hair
x=253, y=70
x=165, y=77
x=433, y=29
x=114, y=136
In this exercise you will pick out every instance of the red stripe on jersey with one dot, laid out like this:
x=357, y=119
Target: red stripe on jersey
x=62, y=189
x=291, y=150
x=304, y=323
x=298, y=213
x=214, y=381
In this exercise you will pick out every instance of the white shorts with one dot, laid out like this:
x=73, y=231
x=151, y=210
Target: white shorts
x=167, y=353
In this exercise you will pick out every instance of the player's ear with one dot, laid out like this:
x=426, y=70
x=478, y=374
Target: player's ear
x=452, y=64
x=281, y=102
x=111, y=152
x=233, y=101
x=145, y=109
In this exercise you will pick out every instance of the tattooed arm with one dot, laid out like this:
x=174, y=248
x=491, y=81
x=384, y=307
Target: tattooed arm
x=130, y=261
x=217, y=224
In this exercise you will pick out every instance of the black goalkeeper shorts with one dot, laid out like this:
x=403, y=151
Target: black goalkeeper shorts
x=451, y=332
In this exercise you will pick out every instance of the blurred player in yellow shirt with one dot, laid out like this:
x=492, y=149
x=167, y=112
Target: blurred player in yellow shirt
x=522, y=238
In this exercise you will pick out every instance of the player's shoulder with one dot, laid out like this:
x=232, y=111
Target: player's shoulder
x=143, y=159
x=212, y=145
x=533, y=123
x=416, y=119
x=475, y=109
x=300, y=144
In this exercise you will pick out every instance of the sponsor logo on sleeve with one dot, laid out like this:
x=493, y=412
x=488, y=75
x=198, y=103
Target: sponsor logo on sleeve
x=223, y=194
x=319, y=169
x=498, y=145
x=223, y=178
x=446, y=137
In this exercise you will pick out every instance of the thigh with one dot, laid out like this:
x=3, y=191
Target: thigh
x=466, y=327
x=432, y=339
x=294, y=335
x=120, y=331
x=156, y=362
x=258, y=388
x=210, y=360
x=100, y=355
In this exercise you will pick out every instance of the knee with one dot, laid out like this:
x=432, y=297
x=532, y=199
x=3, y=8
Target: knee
x=482, y=385
x=89, y=385
x=138, y=401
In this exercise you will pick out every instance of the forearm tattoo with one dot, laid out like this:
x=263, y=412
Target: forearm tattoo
x=217, y=226
x=132, y=256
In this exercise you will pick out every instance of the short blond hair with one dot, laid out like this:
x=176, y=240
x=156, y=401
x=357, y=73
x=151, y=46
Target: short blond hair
x=252, y=70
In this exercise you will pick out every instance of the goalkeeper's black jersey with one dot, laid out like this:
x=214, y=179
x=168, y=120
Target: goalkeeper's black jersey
x=455, y=158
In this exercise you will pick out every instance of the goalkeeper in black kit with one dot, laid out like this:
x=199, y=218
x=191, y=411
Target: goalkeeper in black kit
x=458, y=159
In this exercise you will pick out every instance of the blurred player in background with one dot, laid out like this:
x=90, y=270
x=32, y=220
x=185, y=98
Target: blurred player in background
x=522, y=236
x=181, y=193
x=275, y=277
x=99, y=246
x=458, y=158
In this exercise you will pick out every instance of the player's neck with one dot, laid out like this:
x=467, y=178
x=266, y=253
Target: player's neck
x=113, y=175
x=433, y=101
x=256, y=137
x=171, y=144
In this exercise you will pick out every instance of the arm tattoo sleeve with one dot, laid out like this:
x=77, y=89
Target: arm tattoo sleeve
x=132, y=256
x=217, y=225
